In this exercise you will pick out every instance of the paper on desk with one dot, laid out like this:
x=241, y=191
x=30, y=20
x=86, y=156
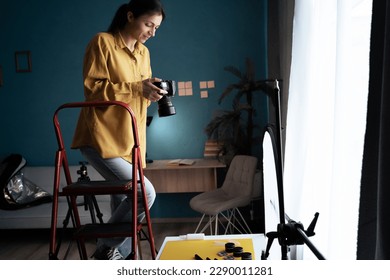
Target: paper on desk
x=181, y=162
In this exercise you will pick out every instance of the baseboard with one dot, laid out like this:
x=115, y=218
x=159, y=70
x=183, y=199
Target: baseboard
x=175, y=220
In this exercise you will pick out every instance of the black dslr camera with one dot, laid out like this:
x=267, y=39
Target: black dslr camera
x=165, y=106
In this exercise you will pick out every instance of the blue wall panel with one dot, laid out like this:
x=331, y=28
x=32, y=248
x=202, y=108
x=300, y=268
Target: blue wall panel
x=197, y=40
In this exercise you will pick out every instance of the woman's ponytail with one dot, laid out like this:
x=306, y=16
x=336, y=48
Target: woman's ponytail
x=119, y=20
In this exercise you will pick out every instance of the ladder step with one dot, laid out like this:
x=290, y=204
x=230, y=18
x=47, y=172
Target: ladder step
x=97, y=188
x=105, y=230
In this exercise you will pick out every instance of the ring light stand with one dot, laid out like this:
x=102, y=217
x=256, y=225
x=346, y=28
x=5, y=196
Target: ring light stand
x=290, y=233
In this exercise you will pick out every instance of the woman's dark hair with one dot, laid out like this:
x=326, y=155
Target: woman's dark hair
x=138, y=8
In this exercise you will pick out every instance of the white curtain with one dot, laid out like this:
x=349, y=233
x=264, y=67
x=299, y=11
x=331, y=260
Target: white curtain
x=326, y=120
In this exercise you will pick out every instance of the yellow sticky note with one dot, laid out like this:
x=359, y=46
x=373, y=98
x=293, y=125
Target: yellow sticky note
x=181, y=85
x=204, y=94
x=203, y=85
x=188, y=91
x=182, y=91
x=188, y=84
x=211, y=84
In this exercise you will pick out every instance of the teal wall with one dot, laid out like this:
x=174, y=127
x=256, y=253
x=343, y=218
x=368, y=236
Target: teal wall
x=196, y=41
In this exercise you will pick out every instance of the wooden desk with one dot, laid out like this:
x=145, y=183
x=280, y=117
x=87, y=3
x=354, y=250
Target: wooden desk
x=199, y=177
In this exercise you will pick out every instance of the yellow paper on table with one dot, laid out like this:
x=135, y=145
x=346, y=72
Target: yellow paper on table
x=186, y=249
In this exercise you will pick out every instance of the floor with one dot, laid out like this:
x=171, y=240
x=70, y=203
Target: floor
x=33, y=244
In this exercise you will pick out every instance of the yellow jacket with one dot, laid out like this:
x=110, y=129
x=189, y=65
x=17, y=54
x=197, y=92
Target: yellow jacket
x=112, y=72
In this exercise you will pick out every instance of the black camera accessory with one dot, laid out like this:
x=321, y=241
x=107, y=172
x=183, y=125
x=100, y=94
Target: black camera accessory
x=165, y=106
x=229, y=247
x=197, y=257
x=222, y=253
x=246, y=255
x=83, y=172
x=237, y=251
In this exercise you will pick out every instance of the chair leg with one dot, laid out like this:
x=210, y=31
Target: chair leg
x=209, y=224
x=211, y=219
x=246, y=229
x=229, y=224
x=200, y=222
x=232, y=219
x=216, y=225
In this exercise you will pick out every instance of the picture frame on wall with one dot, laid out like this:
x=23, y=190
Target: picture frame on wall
x=23, y=61
x=1, y=76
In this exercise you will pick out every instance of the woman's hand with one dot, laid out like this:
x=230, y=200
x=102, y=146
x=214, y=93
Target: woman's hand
x=152, y=92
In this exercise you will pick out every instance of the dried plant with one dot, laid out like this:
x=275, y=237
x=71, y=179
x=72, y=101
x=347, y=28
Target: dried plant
x=234, y=129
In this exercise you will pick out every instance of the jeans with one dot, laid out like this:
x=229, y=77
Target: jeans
x=119, y=169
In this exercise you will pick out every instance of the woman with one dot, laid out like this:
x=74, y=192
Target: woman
x=117, y=67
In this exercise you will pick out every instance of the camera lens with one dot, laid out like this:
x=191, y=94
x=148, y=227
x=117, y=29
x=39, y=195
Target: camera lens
x=237, y=251
x=229, y=247
x=165, y=107
x=246, y=256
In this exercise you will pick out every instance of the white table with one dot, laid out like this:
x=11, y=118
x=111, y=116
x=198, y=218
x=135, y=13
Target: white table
x=258, y=240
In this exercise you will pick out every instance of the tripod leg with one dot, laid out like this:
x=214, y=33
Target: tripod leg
x=60, y=238
x=271, y=236
x=88, y=204
x=99, y=214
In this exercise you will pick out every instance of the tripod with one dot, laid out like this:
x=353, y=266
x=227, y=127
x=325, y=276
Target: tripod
x=292, y=232
x=90, y=204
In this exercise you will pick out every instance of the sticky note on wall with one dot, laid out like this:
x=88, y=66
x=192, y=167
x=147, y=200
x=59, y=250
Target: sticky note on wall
x=189, y=91
x=211, y=84
x=185, y=88
x=188, y=85
x=181, y=84
x=182, y=91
